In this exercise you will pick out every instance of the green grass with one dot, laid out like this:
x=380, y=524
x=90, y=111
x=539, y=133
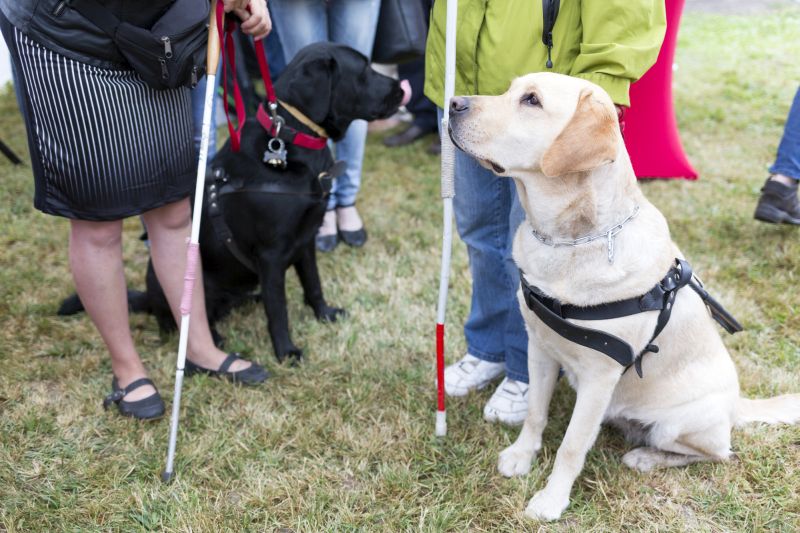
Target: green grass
x=344, y=442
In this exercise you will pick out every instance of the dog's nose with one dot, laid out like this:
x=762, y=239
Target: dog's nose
x=459, y=104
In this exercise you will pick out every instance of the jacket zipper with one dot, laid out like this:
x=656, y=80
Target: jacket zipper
x=549, y=14
x=167, y=47
x=60, y=8
x=164, y=71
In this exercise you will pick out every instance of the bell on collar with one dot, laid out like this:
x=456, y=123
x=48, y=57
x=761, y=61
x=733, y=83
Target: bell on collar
x=275, y=155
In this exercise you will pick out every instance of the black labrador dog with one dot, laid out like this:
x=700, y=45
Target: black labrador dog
x=258, y=220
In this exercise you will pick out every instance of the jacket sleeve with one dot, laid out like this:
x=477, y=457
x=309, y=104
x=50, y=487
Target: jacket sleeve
x=621, y=40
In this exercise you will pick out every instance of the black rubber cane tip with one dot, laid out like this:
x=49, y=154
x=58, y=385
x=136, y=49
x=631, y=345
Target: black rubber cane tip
x=166, y=477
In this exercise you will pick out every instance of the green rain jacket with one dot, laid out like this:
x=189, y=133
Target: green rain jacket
x=609, y=42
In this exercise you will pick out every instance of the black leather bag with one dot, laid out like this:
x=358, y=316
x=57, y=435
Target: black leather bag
x=402, y=31
x=170, y=54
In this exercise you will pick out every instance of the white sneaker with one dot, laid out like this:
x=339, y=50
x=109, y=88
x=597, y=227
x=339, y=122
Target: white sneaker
x=508, y=404
x=470, y=374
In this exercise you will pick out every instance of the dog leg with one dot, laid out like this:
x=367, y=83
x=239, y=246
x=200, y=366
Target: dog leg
x=710, y=444
x=308, y=273
x=273, y=296
x=645, y=459
x=516, y=459
x=595, y=388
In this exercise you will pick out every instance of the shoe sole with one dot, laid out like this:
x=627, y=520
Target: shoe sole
x=493, y=419
x=773, y=215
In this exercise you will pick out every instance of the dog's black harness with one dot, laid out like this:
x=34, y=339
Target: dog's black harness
x=220, y=184
x=660, y=298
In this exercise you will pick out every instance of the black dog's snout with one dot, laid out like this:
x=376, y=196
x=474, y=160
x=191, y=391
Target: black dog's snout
x=459, y=104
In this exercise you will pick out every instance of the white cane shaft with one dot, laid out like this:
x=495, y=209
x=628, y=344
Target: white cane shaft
x=176, y=400
x=195, y=234
x=441, y=423
x=448, y=162
x=444, y=275
x=173, y=430
x=202, y=162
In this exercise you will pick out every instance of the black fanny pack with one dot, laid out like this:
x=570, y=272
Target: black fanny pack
x=172, y=53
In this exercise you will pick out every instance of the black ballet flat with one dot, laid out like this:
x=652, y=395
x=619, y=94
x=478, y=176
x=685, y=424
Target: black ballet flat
x=255, y=374
x=356, y=238
x=326, y=243
x=149, y=408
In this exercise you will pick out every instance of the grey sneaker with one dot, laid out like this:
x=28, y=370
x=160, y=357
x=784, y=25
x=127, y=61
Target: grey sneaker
x=778, y=203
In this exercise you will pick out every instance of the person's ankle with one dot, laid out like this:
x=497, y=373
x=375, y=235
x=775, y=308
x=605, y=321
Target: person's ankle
x=211, y=357
x=127, y=371
x=784, y=180
x=328, y=226
x=348, y=219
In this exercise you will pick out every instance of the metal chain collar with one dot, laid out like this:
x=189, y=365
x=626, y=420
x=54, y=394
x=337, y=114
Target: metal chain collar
x=608, y=235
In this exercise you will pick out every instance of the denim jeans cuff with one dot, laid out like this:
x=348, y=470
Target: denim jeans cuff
x=789, y=172
x=491, y=358
x=516, y=376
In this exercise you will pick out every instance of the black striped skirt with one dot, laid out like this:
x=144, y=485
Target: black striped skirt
x=103, y=144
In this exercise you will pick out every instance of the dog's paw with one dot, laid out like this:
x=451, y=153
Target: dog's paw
x=642, y=459
x=330, y=314
x=293, y=356
x=514, y=461
x=545, y=506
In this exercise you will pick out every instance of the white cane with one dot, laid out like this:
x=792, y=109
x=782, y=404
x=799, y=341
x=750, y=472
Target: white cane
x=448, y=191
x=193, y=250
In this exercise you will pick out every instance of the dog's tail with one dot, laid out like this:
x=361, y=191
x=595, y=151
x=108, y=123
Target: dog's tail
x=783, y=409
x=137, y=303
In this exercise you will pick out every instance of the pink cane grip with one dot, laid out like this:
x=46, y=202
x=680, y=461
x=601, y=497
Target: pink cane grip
x=192, y=256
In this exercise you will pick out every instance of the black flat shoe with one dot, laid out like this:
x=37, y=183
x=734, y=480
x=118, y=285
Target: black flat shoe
x=326, y=243
x=148, y=408
x=252, y=375
x=356, y=239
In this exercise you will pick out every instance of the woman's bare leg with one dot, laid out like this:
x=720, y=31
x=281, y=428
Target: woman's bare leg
x=95, y=256
x=168, y=228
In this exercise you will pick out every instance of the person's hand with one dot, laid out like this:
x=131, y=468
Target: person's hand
x=253, y=14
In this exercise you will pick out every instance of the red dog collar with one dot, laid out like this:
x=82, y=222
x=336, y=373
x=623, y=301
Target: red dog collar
x=297, y=138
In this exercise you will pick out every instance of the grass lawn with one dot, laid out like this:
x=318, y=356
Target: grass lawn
x=344, y=442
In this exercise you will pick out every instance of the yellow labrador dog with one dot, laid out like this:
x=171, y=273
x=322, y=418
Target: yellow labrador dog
x=592, y=238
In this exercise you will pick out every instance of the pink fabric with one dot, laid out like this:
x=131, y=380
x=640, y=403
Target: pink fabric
x=651, y=132
x=192, y=256
x=407, y=92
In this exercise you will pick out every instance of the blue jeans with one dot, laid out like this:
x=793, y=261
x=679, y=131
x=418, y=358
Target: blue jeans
x=349, y=22
x=487, y=217
x=787, y=161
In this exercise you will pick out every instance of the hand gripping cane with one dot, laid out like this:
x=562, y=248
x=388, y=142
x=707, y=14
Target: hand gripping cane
x=448, y=191
x=193, y=250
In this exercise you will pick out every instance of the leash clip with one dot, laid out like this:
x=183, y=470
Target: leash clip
x=273, y=110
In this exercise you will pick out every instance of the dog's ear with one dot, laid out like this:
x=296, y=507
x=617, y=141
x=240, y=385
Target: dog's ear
x=310, y=87
x=587, y=141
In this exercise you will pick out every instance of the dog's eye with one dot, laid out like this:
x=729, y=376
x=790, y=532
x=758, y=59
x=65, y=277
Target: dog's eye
x=531, y=99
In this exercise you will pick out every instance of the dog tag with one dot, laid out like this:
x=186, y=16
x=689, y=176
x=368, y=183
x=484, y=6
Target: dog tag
x=275, y=155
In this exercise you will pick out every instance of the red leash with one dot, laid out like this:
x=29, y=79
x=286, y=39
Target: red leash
x=268, y=119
